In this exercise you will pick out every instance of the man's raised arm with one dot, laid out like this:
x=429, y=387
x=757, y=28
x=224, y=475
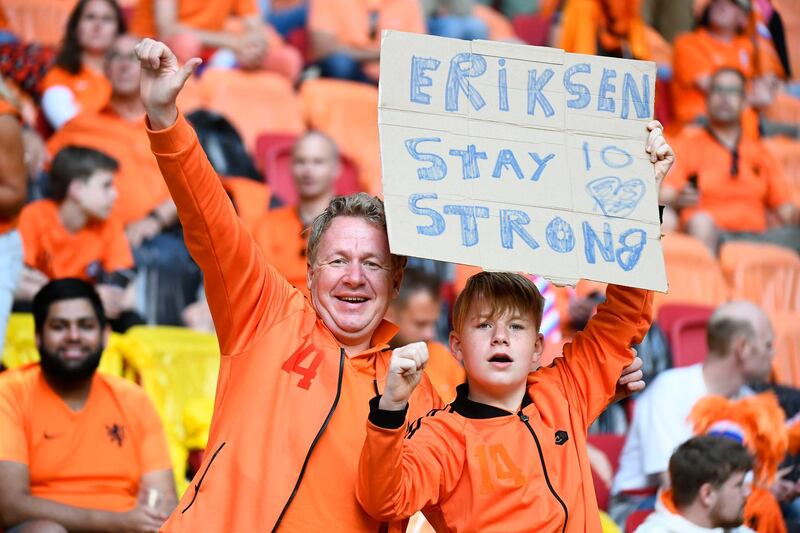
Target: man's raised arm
x=240, y=286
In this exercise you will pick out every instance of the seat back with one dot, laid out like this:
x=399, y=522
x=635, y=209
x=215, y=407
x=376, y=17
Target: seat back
x=694, y=275
x=611, y=446
x=786, y=365
x=534, y=29
x=684, y=325
x=348, y=112
x=763, y=273
x=254, y=102
x=636, y=518
x=40, y=21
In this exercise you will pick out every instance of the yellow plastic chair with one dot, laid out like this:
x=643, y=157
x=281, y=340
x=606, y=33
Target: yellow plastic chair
x=178, y=369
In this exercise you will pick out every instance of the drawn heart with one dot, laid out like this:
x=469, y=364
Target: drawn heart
x=614, y=197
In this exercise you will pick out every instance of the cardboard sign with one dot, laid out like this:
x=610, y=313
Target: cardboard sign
x=519, y=158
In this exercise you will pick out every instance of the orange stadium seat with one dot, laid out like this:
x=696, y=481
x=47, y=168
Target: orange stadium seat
x=763, y=273
x=348, y=112
x=277, y=168
x=40, y=21
x=685, y=327
x=786, y=366
x=254, y=102
x=694, y=275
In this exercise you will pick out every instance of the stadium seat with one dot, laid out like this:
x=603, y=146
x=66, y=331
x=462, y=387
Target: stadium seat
x=763, y=273
x=264, y=144
x=685, y=327
x=254, y=102
x=611, y=445
x=40, y=21
x=786, y=365
x=534, y=29
x=694, y=275
x=250, y=197
x=277, y=169
x=348, y=112
x=636, y=518
x=178, y=369
x=20, y=347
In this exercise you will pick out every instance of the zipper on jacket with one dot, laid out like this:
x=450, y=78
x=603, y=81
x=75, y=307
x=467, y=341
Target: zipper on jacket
x=200, y=481
x=314, y=442
x=524, y=418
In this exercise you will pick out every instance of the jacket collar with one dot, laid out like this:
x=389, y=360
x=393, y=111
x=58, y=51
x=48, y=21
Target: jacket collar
x=470, y=409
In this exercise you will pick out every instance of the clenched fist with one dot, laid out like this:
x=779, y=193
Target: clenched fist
x=405, y=373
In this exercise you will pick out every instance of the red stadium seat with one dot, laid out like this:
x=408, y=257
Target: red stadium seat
x=611, y=445
x=533, y=29
x=636, y=518
x=264, y=144
x=277, y=169
x=685, y=327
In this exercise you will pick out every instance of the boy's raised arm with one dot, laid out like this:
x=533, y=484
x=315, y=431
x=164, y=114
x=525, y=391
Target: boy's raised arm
x=595, y=359
x=240, y=286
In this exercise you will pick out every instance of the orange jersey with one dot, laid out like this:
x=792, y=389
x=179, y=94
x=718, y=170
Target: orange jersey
x=90, y=88
x=444, y=370
x=736, y=203
x=698, y=54
x=6, y=108
x=279, y=235
x=290, y=405
x=140, y=187
x=349, y=20
x=197, y=14
x=474, y=467
x=100, y=246
x=94, y=457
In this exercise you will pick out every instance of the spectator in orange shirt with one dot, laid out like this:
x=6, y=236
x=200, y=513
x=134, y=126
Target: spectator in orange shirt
x=721, y=40
x=70, y=235
x=345, y=34
x=144, y=206
x=13, y=182
x=201, y=28
x=80, y=451
x=76, y=82
x=281, y=233
x=724, y=183
x=415, y=311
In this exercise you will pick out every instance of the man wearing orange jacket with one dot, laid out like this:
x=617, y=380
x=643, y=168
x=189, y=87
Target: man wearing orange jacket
x=295, y=375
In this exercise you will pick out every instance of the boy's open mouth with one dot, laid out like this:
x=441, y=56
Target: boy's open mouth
x=500, y=358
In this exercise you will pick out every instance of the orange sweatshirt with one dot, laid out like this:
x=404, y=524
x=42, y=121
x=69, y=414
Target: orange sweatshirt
x=289, y=402
x=474, y=467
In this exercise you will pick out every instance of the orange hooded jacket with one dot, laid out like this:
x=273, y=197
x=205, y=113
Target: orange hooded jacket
x=283, y=377
x=474, y=467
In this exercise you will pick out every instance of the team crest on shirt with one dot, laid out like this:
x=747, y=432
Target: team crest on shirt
x=116, y=432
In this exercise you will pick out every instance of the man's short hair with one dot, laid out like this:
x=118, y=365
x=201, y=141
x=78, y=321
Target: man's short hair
x=325, y=137
x=359, y=205
x=729, y=70
x=76, y=162
x=722, y=331
x=705, y=459
x=65, y=289
x=502, y=292
x=417, y=280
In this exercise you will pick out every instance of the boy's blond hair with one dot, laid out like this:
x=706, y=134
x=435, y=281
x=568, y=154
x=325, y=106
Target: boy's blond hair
x=502, y=292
